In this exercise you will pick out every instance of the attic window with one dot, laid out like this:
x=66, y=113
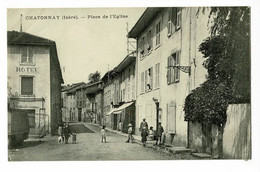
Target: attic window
x=27, y=54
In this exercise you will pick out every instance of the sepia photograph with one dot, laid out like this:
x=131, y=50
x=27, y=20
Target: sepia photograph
x=129, y=83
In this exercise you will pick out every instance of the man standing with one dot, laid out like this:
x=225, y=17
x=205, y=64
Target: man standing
x=160, y=130
x=67, y=132
x=143, y=124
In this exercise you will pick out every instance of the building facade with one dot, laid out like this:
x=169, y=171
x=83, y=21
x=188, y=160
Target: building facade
x=124, y=114
x=168, y=66
x=34, y=80
x=70, y=99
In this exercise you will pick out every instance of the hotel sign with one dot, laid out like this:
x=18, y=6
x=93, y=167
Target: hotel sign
x=26, y=69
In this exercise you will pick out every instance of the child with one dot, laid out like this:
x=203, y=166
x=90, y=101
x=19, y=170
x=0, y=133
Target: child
x=144, y=134
x=151, y=134
x=74, y=138
x=130, y=130
x=103, y=134
x=60, y=134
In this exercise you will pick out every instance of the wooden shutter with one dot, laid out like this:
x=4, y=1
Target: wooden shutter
x=145, y=80
x=174, y=18
x=169, y=70
x=151, y=78
x=177, y=74
x=171, y=117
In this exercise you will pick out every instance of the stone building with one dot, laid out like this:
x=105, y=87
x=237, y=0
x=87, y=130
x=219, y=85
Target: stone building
x=69, y=99
x=124, y=114
x=168, y=67
x=34, y=80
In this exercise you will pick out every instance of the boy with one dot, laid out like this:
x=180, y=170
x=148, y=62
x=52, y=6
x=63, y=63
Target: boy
x=130, y=136
x=103, y=134
x=74, y=138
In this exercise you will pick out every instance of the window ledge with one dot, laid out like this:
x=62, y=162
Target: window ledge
x=25, y=96
x=175, y=82
x=27, y=64
x=157, y=46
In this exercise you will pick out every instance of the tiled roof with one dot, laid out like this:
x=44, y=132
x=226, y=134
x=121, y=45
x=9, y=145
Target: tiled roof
x=144, y=21
x=14, y=38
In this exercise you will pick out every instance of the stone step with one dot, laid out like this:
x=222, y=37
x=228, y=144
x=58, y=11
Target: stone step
x=176, y=150
x=202, y=155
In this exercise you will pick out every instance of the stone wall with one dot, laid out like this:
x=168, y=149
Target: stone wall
x=237, y=132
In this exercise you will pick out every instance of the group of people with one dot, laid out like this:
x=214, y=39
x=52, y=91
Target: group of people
x=64, y=133
x=153, y=135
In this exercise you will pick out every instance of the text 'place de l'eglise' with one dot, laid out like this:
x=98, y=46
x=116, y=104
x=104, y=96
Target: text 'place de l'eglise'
x=160, y=81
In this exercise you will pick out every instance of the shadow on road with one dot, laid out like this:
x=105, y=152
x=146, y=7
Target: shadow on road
x=80, y=128
x=27, y=144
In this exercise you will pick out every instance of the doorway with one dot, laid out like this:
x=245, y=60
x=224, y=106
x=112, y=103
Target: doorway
x=79, y=114
x=31, y=117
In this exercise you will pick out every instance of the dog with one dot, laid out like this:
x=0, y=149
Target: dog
x=74, y=138
x=61, y=140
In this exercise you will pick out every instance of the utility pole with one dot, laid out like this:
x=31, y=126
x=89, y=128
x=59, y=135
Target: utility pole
x=21, y=23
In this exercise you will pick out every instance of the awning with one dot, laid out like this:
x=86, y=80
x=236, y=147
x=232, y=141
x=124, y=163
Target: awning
x=123, y=107
x=110, y=112
x=119, y=109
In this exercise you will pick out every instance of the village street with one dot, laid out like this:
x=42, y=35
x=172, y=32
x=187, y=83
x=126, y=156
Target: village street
x=88, y=147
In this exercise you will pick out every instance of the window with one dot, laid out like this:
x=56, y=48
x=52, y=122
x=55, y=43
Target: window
x=134, y=71
x=149, y=40
x=173, y=73
x=123, y=76
x=133, y=88
x=157, y=74
x=142, y=41
x=158, y=31
x=150, y=79
x=176, y=60
x=174, y=20
x=142, y=82
x=123, y=94
x=178, y=23
x=145, y=79
x=26, y=85
x=27, y=54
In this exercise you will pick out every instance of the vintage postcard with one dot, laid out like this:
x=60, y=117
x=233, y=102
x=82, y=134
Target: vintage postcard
x=129, y=83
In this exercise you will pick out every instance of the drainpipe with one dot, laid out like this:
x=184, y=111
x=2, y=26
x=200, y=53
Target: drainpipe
x=189, y=86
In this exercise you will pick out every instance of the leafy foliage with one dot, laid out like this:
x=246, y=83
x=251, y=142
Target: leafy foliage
x=94, y=77
x=227, y=60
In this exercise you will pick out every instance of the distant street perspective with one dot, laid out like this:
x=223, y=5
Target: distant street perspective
x=88, y=147
x=155, y=83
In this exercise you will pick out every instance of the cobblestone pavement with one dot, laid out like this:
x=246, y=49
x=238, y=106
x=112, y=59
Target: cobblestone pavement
x=88, y=147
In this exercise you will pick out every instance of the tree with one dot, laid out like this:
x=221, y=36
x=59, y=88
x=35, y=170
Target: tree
x=94, y=77
x=227, y=60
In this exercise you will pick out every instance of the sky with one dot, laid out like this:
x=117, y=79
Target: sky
x=84, y=45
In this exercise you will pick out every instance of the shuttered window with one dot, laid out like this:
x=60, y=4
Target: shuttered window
x=158, y=32
x=26, y=85
x=173, y=73
x=145, y=79
x=174, y=20
x=150, y=79
x=142, y=82
x=157, y=75
x=171, y=117
x=149, y=40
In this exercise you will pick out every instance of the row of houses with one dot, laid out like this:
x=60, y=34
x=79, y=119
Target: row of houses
x=151, y=82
